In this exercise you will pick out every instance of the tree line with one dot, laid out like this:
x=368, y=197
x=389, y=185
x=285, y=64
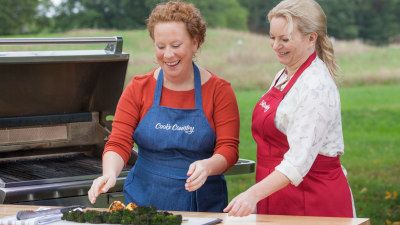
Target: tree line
x=374, y=21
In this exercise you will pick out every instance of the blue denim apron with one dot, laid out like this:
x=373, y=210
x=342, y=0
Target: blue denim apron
x=169, y=140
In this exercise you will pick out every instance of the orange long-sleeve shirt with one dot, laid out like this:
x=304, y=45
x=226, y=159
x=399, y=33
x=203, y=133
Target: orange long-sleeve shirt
x=219, y=105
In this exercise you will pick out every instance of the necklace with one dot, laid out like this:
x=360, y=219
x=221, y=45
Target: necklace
x=282, y=80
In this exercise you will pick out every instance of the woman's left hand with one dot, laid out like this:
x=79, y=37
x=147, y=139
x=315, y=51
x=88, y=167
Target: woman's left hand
x=198, y=174
x=242, y=205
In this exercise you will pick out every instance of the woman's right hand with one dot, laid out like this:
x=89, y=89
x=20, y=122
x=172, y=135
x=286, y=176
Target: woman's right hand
x=243, y=204
x=112, y=167
x=101, y=185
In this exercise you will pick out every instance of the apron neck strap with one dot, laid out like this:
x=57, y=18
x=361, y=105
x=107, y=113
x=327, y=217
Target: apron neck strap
x=299, y=71
x=197, y=87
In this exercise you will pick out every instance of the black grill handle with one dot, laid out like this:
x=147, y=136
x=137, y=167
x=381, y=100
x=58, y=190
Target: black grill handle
x=114, y=44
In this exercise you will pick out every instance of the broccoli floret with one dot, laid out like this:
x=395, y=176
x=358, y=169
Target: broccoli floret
x=128, y=217
x=81, y=218
x=114, y=217
x=66, y=216
x=178, y=219
x=173, y=220
x=144, y=219
x=74, y=216
x=105, y=215
x=145, y=210
x=93, y=216
x=157, y=219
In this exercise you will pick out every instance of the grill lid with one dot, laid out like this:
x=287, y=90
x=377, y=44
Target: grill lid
x=53, y=92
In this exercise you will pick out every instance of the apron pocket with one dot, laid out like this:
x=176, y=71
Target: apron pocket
x=138, y=187
x=129, y=177
x=170, y=194
x=287, y=201
x=213, y=195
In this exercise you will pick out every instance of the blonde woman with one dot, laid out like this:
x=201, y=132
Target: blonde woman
x=297, y=123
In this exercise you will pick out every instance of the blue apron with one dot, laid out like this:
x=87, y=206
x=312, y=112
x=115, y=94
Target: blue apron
x=169, y=140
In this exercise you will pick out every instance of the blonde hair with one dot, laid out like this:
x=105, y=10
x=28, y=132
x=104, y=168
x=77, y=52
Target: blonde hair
x=309, y=17
x=178, y=11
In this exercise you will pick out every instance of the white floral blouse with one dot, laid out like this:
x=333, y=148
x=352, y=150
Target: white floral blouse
x=310, y=117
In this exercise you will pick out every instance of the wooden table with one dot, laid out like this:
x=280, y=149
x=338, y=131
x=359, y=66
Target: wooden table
x=6, y=210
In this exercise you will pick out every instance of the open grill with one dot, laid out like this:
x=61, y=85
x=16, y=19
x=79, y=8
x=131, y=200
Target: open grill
x=53, y=119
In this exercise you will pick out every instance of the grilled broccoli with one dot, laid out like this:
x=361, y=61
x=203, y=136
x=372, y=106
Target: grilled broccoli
x=138, y=216
x=127, y=219
x=74, y=216
x=172, y=220
x=150, y=210
x=157, y=219
x=113, y=217
x=93, y=216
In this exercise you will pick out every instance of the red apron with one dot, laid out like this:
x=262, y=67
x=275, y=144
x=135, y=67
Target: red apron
x=324, y=191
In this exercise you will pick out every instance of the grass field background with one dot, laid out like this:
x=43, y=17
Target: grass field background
x=369, y=83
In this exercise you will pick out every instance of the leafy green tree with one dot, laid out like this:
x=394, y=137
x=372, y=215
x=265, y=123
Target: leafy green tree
x=108, y=14
x=257, y=17
x=217, y=13
x=131, y=14
x=16, y=16
x=341, y=18
x=340, y=13
x=377, y=21
x=223, y=13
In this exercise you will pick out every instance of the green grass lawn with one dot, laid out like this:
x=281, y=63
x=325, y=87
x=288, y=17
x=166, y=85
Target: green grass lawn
x=371, y=126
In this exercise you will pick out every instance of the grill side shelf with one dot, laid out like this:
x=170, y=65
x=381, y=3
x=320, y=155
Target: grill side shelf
x=243, y=166
x=52, y=192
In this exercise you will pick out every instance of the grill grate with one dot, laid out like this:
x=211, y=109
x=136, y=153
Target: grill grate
x=38, y=171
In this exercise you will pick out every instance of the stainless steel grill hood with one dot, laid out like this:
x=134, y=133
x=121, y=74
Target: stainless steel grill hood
x=53, y=109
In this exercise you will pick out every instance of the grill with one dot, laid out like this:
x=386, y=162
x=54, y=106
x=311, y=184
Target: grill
x=54, y=107
x=49, y=169
x=31, y=172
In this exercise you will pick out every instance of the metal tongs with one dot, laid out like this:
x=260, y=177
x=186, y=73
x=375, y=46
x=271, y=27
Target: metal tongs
x=28, y=214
